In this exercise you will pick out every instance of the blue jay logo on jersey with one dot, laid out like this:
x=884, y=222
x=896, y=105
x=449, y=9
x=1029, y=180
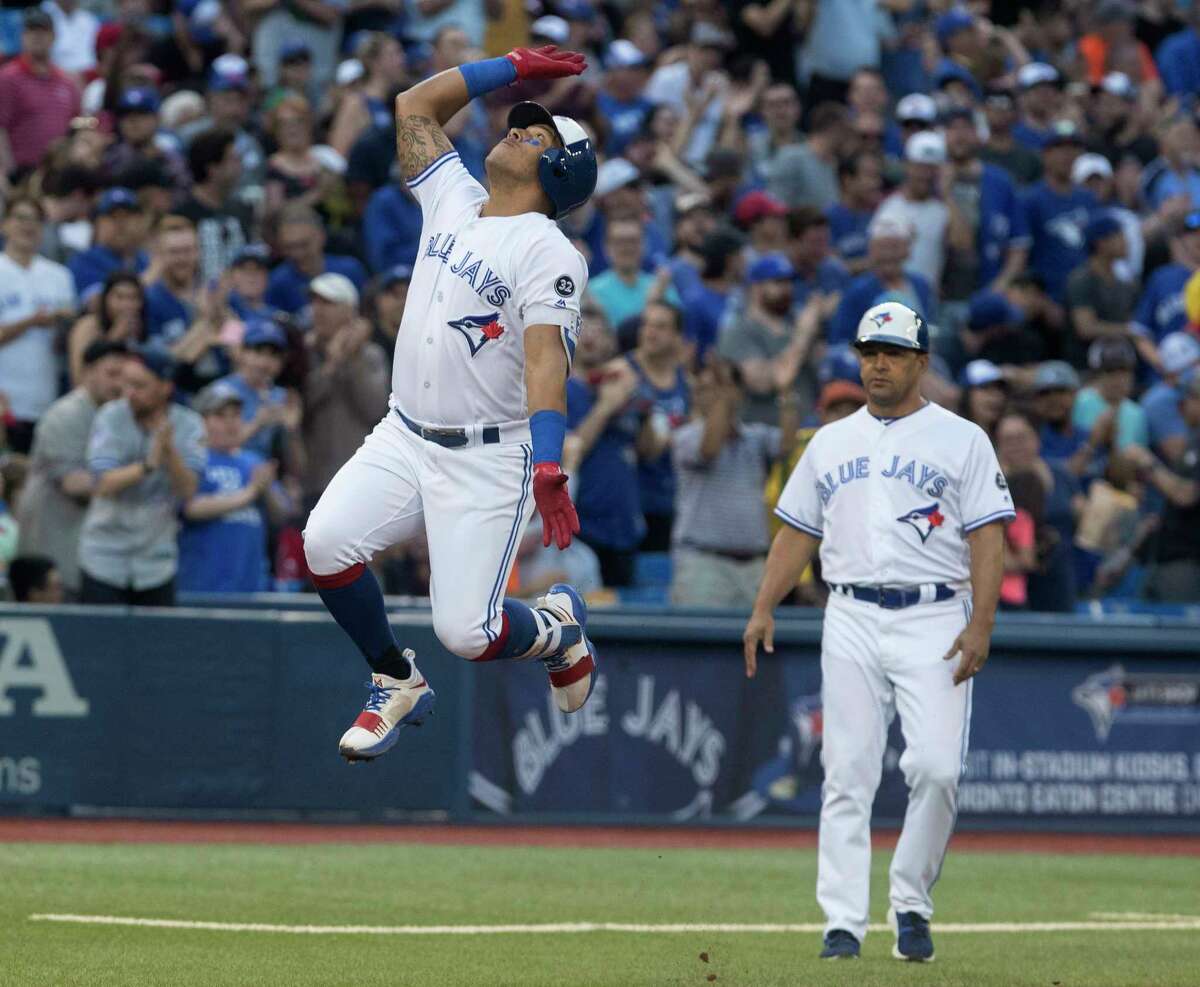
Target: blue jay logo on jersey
x=478, y=330
x=924, y=520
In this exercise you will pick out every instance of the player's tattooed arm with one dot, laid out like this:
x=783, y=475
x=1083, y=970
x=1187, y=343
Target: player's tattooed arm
x=421, y=112
x=420, y=141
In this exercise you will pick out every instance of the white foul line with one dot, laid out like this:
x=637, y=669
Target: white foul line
x=1174, y=924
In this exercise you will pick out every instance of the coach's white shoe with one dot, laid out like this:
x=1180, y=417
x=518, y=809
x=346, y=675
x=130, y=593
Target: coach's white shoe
x=391, y=705
x=572, y=669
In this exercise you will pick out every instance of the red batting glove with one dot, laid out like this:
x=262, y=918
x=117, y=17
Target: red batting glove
x=546, y=62
x=559, y=520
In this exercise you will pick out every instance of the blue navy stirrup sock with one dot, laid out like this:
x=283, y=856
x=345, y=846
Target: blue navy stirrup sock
x=530, y=632
x=355, y=600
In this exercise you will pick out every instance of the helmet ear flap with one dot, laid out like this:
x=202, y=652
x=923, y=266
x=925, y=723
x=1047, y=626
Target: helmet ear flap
x=558, y=162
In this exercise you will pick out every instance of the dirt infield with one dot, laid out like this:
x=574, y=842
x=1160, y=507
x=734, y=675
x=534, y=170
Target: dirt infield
x=16, y=830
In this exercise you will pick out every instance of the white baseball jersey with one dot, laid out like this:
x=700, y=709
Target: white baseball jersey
x=893, y=500
x=478, y=283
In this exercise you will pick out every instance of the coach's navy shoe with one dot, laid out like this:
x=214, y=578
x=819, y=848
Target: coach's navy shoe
x=840, y=945
x=391, y=705
x=572, y=668
x=913, y=941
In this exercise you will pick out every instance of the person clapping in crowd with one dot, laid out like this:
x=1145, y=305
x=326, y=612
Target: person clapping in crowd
x=147, y=453
x=60, y=483
x=223, y=541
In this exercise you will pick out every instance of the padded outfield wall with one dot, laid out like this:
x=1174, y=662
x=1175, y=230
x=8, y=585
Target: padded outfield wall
x=1077, y=722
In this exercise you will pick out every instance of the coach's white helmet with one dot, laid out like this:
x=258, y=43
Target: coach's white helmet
x=894, y=324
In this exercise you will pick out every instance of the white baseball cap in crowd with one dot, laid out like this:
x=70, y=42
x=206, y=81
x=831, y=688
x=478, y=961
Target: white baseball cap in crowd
x=1090, y=166
x=551, y=28
x=335, y=288
x=885, y=226
x=1037, y=74
x=1178, y=351
x=926, y=147
x=917, y=106
x=624, y=54
x=615, y=173
x=348, y=71
x=1119, y=84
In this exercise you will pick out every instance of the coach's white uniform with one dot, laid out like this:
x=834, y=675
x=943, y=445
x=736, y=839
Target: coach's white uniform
x=892, y=501
x=478, y=283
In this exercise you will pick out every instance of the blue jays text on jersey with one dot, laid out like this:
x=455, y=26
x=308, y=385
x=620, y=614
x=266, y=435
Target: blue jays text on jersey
x=921, y=476
x=470, y=268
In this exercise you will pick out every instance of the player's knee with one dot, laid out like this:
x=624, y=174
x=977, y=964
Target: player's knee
x=934, y=771
x=464, y=641
x=324, y=550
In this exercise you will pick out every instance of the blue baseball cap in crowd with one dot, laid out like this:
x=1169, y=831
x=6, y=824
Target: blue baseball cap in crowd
x=395, y=274
x=117, y=198
x=982, y=373
x=989, y=309
x=1191, y=222
x=1056, y=375
x=576, y=10
x=839, y=363
x=948, y=71
x=158, y=362
x=771, y=267
x=295, y=51
x=202, y=16
x=950, y=23
x=216, y=396
x=264, y=332
x=1100, y=227
x=141, y=100
x=253, y=253
x=1179, y=351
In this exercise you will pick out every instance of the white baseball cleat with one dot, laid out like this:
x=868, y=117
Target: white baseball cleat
x=391, y=705
x=572, y=669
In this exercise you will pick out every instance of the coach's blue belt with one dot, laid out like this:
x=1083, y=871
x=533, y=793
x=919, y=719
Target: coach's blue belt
x=451, y=438
x=895, y=597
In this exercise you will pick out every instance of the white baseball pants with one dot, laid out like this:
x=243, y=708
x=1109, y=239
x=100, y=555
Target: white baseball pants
x=874, y=663
x=474, y=503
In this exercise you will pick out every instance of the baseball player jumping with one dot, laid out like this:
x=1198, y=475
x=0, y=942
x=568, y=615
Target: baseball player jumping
x=473, y=438
x=908, y=505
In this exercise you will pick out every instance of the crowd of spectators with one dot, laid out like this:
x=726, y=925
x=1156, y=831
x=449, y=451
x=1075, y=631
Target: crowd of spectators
x=207, y=249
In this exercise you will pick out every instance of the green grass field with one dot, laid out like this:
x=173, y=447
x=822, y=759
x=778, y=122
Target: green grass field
x=419, y=885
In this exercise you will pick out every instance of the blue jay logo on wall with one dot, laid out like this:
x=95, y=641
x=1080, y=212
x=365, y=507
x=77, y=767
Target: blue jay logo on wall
x=1139, y=697
x=924, y=520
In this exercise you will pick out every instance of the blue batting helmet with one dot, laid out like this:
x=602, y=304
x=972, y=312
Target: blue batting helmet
x=567, y=173
x=895, y=325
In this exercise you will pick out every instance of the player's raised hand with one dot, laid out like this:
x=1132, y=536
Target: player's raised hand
x=559, y=520
x=760, y=627
x=546, y=62
x=972, y=646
